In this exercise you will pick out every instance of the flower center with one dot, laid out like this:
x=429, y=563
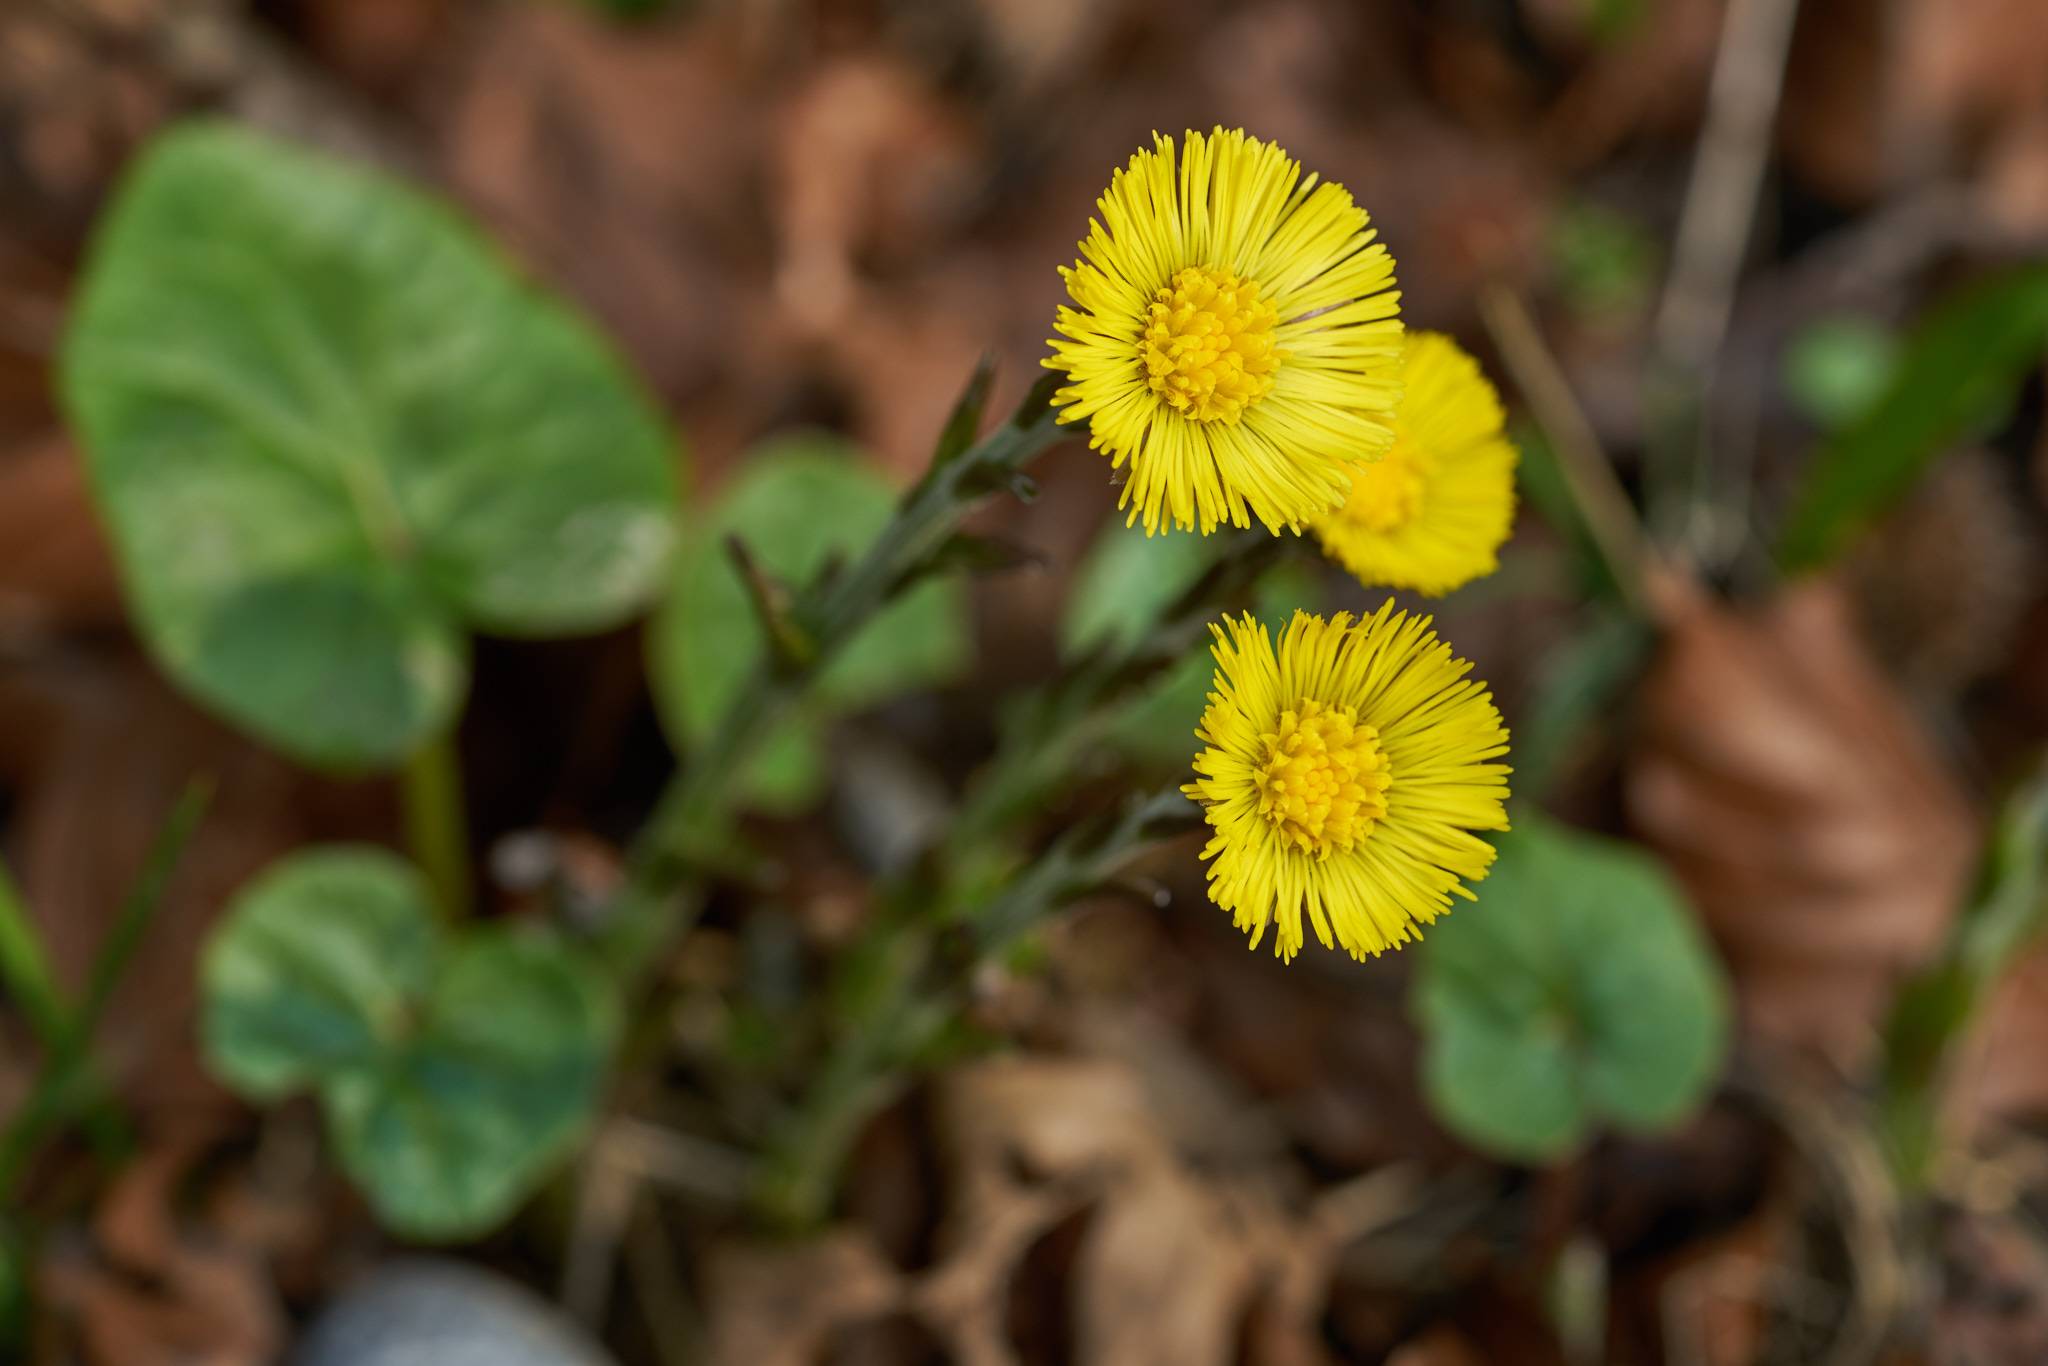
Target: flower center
x=1324, y=782
x=1386, y=494
x=1208, y=346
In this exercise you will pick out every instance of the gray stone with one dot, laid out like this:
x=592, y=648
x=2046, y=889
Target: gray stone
x=435, y=1312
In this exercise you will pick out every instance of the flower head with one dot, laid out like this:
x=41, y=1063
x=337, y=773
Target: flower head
x=1233, y=337
x=1343, y=775
x=1432, y=513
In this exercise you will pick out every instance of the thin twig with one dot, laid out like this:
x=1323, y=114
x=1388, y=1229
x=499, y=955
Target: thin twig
x=1691, y=325
x=1720, y=199
x=1609, y=514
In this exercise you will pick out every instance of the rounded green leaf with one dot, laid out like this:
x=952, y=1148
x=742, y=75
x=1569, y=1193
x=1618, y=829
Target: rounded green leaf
x=452, y=1129
x=797, y=504
x=1577, y=992
x=315, y=969
x=331, y=432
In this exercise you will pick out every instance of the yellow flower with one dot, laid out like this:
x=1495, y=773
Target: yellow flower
x=1234, y=338
x=1343, y=777
x=1432, y=513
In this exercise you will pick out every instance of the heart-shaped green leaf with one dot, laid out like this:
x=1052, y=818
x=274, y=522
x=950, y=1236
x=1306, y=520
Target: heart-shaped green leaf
x=1577, y=992
x=315, y=969
x=453, y=1074
x=331, y=433
x=798, y=503
x=450, y=1130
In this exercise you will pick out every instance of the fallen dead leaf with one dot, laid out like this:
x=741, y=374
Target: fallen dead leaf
x=156, y=1291
x=56, y=570
x=1803, y=807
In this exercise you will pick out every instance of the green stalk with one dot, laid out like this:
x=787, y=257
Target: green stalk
x=436, y=827
x=918, y=978
x=1938, y=1005
x=25, y=969
x=1058, y=724
x=650, y=910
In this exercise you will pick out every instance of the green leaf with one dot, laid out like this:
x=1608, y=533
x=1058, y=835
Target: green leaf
x=798, y=504
x=314, y=969
x=1576, y=686
x=1577, y=992
x=1605, y=262
x=1836, y=368
x=1961, y=367
x=448, y=1132
x=1542, y=484
x=964, y=422
x=453, y=1074
x=1123, y=584
x=1158, y=727
x=331, y=433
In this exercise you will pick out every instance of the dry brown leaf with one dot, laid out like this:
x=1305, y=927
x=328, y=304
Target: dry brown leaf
x=1442, y=1345
x=1716, y=1297
x=1072, y=1230
x=1803, y=807
x=159, y=1293
x=1832, y=127
x=1998, y=1068
x=55, y=566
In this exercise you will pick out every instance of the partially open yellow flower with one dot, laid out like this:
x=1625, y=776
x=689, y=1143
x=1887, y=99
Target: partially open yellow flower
x=1432, y=513
x=1233, y=339
x=1343, y=777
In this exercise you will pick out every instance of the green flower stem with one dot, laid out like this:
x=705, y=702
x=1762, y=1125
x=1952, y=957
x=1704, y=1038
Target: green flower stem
x=436, y=826
x=25, y=969
x=685, y=824
x=67, y=1083
x=917, y=978
x=1060, y=724
x=1937, y=1006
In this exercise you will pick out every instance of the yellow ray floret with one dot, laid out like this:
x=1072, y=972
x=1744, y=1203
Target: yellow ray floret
x=1432, y=513
x=1344, y=775
x=1234, y=339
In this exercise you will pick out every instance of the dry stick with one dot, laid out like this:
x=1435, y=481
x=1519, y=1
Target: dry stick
x=1609, y=514
x=1720, y=208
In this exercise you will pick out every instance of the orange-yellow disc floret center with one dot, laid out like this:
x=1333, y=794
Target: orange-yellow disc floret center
x=1209, y=347
x=1387, y=493
x=1324, y=781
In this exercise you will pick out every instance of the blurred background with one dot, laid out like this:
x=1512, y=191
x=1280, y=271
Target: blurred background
x=1697, y=242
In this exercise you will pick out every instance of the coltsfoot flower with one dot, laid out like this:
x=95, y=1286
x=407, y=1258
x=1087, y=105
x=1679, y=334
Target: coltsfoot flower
x=1234, y=338
x=1430, y=514
x=1343, y=775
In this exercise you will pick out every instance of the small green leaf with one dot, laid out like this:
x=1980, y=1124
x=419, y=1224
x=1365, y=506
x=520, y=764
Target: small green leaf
x=453, y=1074
x=1123, y=584
x=314, y=968
x=1960, y=369
x=1605, y=262
x=331, y=433
x=449, y=1131
x=964, y=423
x=1837, y=367
x=1158, y=727
x=1576, y=686
x=1541, y=482
x=798, y=504
x=1576, y=992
